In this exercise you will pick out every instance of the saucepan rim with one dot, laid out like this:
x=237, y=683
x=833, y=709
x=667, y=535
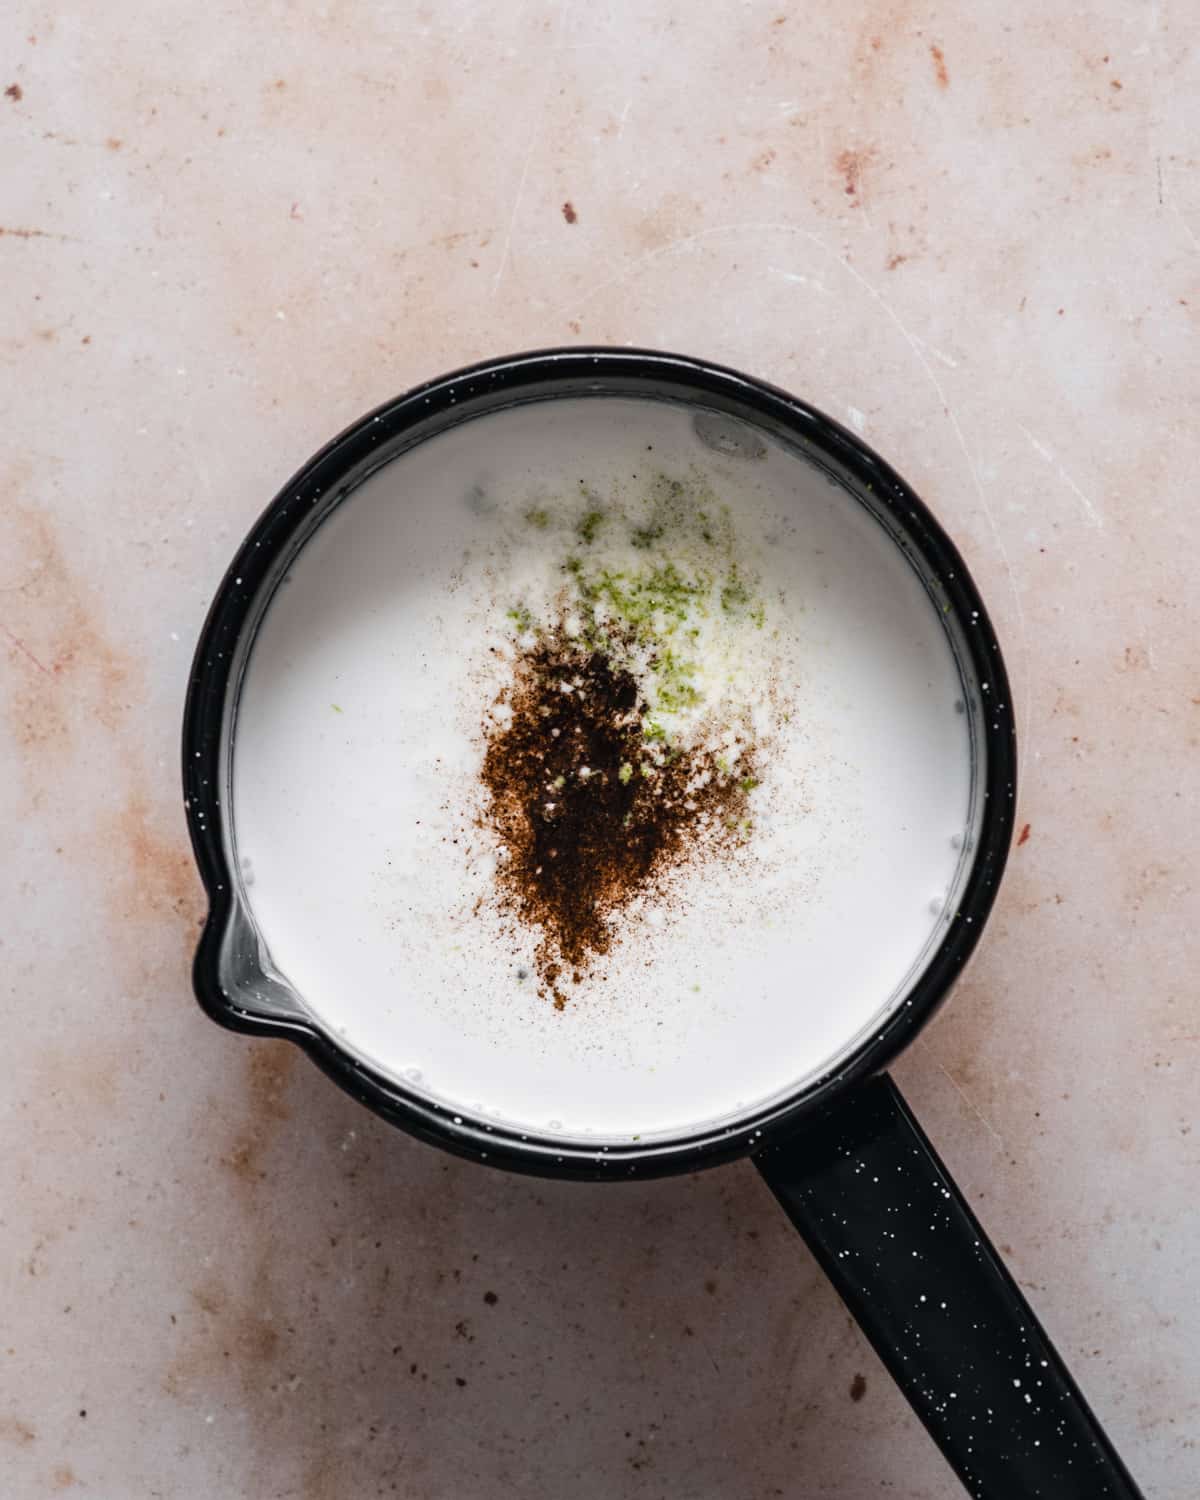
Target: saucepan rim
x=379, y=436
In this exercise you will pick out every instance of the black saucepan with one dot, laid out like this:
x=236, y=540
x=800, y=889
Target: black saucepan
x=843, y=1154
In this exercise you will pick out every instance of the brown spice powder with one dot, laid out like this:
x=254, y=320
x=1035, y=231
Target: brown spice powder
x=587, y=813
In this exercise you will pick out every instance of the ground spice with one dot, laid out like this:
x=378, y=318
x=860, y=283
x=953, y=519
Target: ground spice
x=589, y=810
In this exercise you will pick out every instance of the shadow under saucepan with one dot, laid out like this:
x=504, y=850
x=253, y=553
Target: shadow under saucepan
x=390, y=1320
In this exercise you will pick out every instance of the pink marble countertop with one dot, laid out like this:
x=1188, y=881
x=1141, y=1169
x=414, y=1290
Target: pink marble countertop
x=227, y=230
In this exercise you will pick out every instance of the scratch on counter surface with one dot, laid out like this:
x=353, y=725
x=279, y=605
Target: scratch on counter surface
x=26, y=652
x=1165, y=198
x=822, y=154
x=800, y=1348
x=506, y=247
x=864, y=202
x=1146, y=633
x=534, y=137
x=712, y=1359
x=939, y=354
x=795, y=276
x=973, y=468
x=972, y=1106
x=1184, y=225
x=1093, y=515
x=1039, y=448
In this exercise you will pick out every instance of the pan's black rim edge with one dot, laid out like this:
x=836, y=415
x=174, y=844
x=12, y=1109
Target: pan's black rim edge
x=497, y=1144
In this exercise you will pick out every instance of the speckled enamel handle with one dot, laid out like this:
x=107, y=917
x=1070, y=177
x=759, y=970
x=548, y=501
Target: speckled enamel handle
x=878, y=1209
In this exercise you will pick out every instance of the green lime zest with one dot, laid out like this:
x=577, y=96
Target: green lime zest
x=735, y=593
x=589, y=526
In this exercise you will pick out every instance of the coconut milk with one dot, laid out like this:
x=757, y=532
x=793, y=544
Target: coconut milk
x=356, y=781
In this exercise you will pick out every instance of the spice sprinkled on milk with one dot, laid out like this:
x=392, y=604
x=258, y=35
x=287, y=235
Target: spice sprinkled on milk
x=627, y=744
x=594, y=778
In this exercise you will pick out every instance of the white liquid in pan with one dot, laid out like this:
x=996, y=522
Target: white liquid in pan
x=356, y=785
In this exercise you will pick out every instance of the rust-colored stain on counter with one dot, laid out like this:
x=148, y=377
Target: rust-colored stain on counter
x=252, y=1337
x=70, y=692
x=68, y=673
x=19, y=233
x=14, y=92
x=676, y=216
x=269, y=1066
x=324, y=1477
x=162, y=878
x=268, y=1075
x=851, y=164
x=230, y=1331
x=84, y=1077
x=14, y=1430
x=154, y=898
x=939, y=66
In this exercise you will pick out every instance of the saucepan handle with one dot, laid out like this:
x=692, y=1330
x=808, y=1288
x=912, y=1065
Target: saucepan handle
x=866, y=1189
